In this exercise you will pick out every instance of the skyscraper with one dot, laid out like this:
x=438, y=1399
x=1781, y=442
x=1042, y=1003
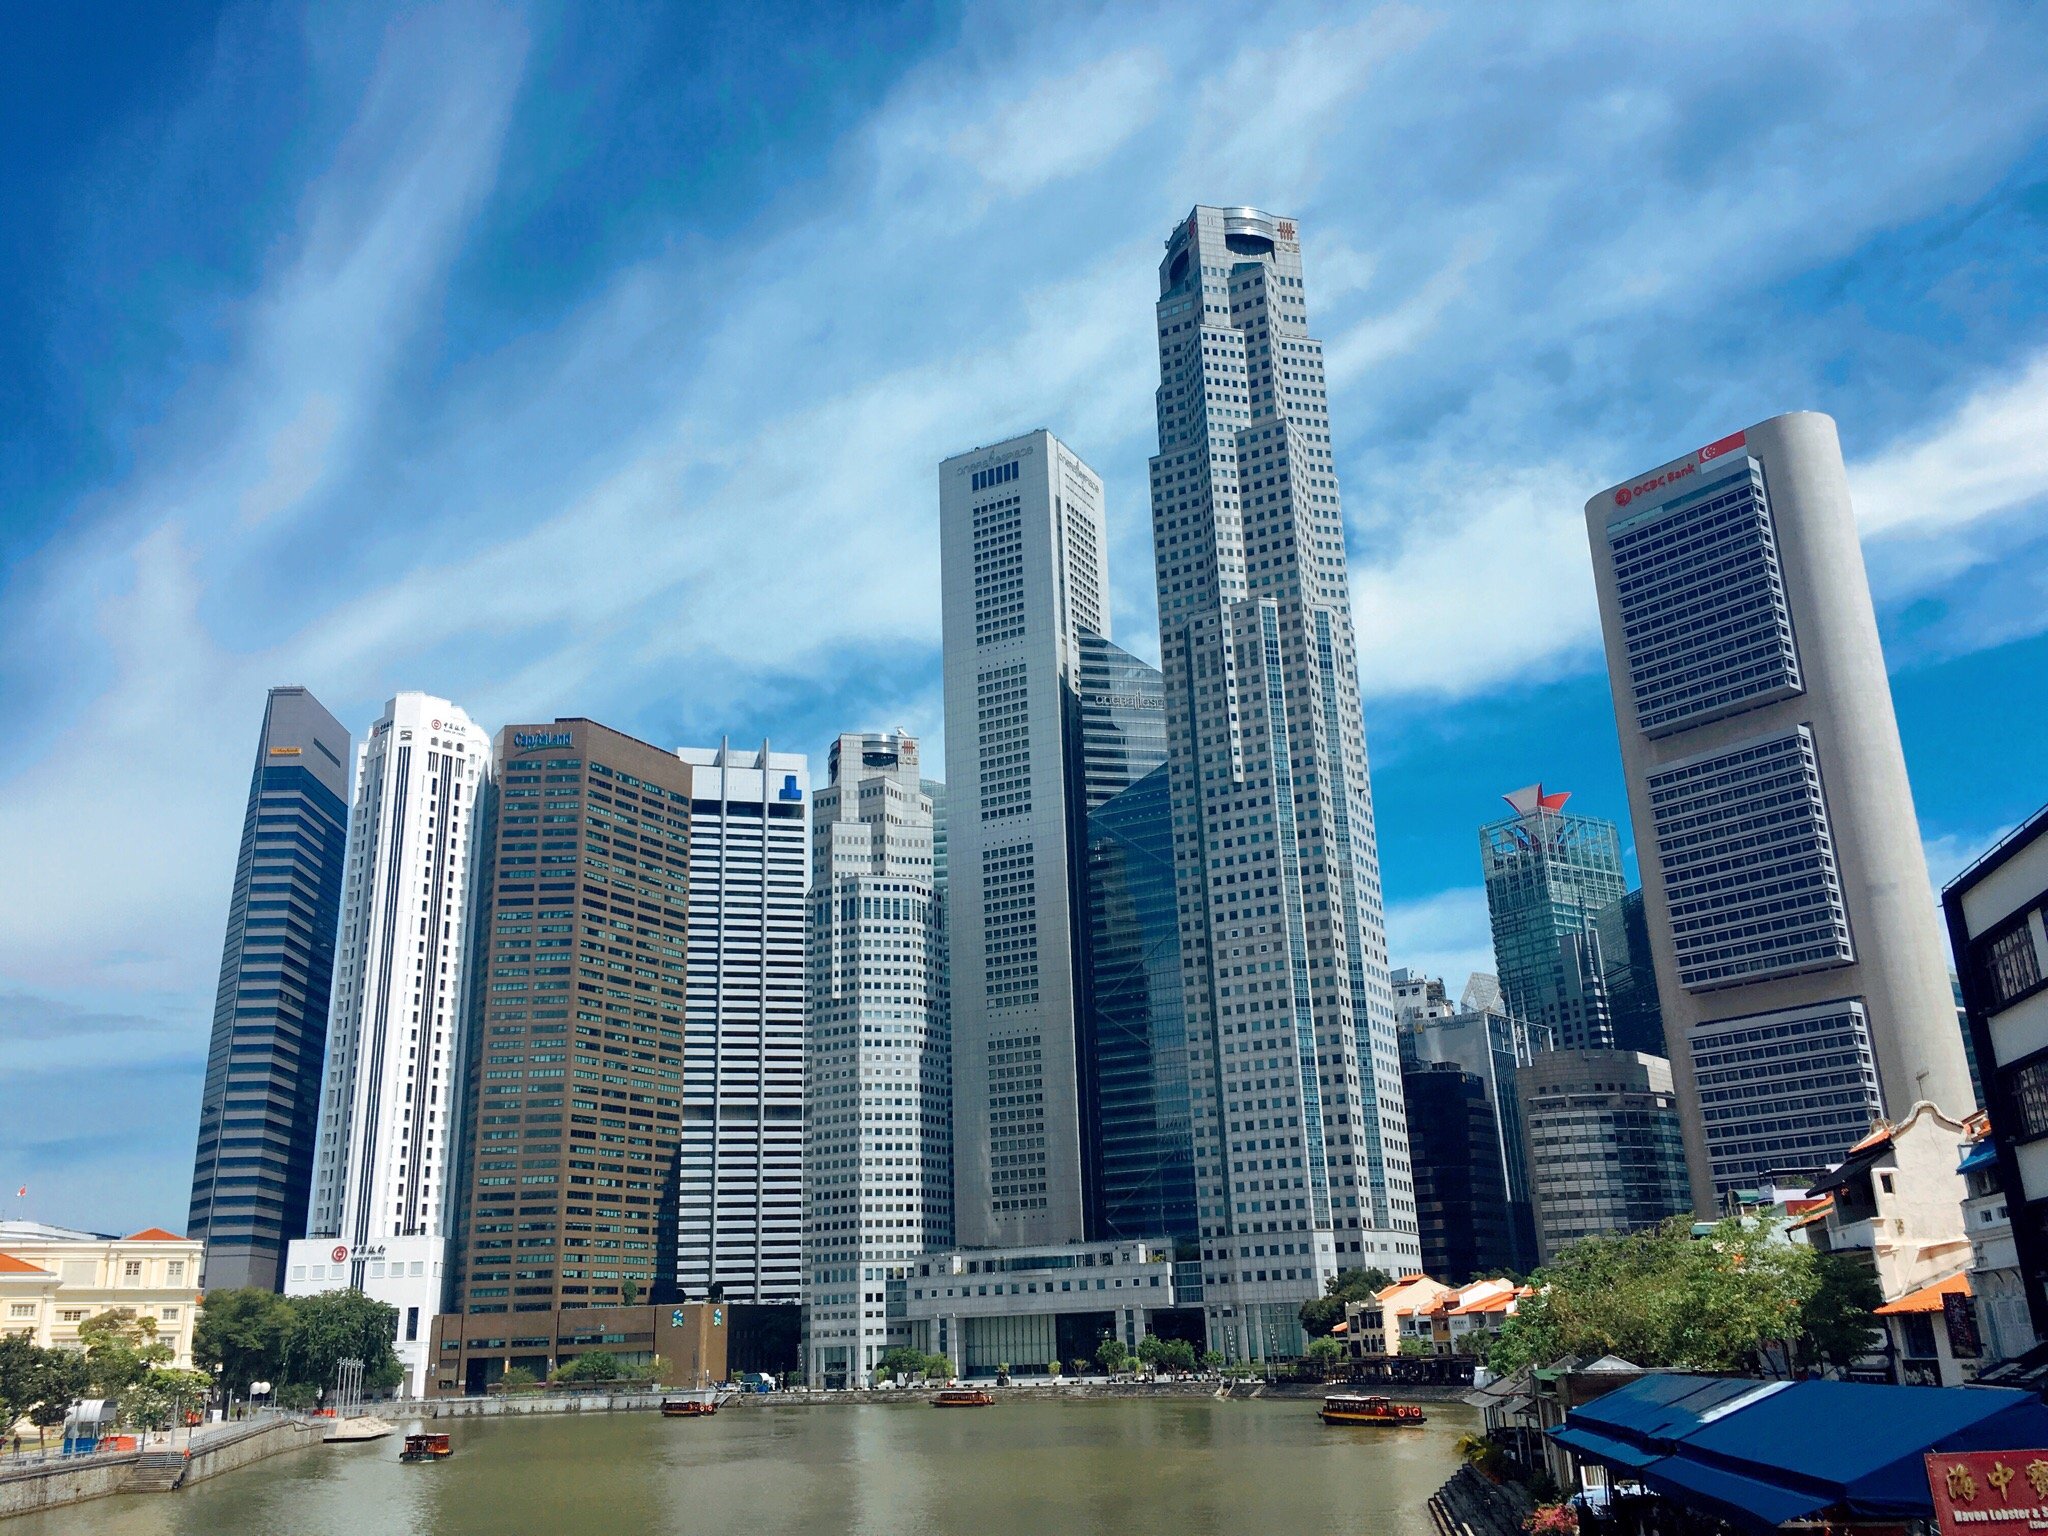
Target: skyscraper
x=1024, y=575
x=1798, y=962
x=1137, y=1148
x=259, y=1112
x=1461, y=1194
x=1548, y=875
x=740, y=1223
x=1493, y=1047
x=1604, y=1148
x=574, y=1095
x=1631, y=976
x=385, y=1167
x=880, y=1188
x=1300, y=1142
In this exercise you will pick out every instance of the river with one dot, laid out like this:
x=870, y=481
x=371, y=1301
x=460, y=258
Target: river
x=1128, y=1466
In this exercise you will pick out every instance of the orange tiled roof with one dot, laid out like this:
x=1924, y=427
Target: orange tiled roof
x=10, y=1265
x=1927, y=1298
x=152, y=1235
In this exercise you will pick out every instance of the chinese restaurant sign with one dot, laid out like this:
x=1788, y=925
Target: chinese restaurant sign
x=2005, y=1490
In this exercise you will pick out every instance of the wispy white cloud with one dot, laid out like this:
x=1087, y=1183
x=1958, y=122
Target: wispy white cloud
x=1986, y=458
x=710, y=473
x=1447, y=934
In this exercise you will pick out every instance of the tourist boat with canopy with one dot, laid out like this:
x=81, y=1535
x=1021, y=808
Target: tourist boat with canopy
x=1357, y=1408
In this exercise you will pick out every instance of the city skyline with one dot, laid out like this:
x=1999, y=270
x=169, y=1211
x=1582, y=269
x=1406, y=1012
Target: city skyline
x=1478, y=654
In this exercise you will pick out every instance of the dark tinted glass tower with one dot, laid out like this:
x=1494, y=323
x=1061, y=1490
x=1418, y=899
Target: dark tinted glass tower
x=1631, y=976
x=1461, y=1195
x=253, y=1172
x=1137, y=1152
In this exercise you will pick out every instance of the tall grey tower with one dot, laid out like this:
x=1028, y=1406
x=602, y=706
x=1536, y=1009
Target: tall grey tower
x=259, y=1115
x=1801, y=971
x=878, y=1172
x=1024, y=563
x=1301, y=1145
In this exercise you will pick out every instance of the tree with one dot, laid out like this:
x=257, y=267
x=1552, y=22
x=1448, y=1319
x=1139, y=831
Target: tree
x=20, y=1362
x=1052, y=1366
x=1079, y=1365
x=629, y=1290
x=1736, y=1298
x=1415, y=1347
x=1151, y=1351
x=1325, y=1355
x=597, y=1365
x=343, y=1325
x=1179, y=1355
x=164, y=1397
x=1838, y=1319
x=1112, y=1356
x=244, y=1331
x=1321, y=1315
x=120, y=1348
x=518, y=1378
x=1212, y=1360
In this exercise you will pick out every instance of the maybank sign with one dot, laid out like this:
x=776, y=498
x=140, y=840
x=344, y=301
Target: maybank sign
x=526, y=741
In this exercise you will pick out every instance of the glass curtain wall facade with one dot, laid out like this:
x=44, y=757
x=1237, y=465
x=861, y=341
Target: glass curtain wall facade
x=1302, y=1160
x=1548, y=876
x=573, y=1103
x=1631, y=976
x=1136, y=1147
x=1461, y=1191
x=252, y=1173
x=1605, y=1150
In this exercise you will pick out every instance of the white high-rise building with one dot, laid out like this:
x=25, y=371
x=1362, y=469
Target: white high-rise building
x=1024, y=562
x=879, y=1186
x=1801, y=972
x=740, y=1180
x=1301, y=1146
x=385, y=1162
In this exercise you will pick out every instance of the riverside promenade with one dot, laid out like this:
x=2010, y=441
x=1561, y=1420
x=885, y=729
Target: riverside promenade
x=158, y=1466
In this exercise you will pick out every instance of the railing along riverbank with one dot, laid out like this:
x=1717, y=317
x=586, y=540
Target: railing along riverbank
x=160, y=1465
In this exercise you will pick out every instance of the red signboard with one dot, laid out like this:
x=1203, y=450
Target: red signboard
x=1999, y=1490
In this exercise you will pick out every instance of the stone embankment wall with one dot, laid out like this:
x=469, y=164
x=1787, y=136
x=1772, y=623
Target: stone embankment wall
x=231, y=1449
x=1471, y=1505
x=48, y=1485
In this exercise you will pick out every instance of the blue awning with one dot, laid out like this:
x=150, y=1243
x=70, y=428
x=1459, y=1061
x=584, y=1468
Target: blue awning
x=1983, y=1155
x=1618, y=1454
x=1744, y=1500
x=1767, y=1452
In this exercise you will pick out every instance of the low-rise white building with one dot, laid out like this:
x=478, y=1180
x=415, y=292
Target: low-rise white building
x=1897, y=1200
x=2005, y=1328
x=52, y=1279
x=1027, y=1307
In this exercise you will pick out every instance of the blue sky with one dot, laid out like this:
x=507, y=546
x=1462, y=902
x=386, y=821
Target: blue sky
x=598, y=360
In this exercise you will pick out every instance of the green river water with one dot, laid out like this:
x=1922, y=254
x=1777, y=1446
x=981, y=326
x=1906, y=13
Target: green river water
x=1133, y=1467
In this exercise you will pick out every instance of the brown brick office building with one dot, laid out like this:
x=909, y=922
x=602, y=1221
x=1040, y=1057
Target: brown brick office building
x=574, y=1100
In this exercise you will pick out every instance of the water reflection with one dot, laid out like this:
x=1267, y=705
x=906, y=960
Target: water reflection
x=1188, y=1467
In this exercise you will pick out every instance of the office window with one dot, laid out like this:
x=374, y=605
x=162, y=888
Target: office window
x=2030, y=1096
x=2009, y=963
